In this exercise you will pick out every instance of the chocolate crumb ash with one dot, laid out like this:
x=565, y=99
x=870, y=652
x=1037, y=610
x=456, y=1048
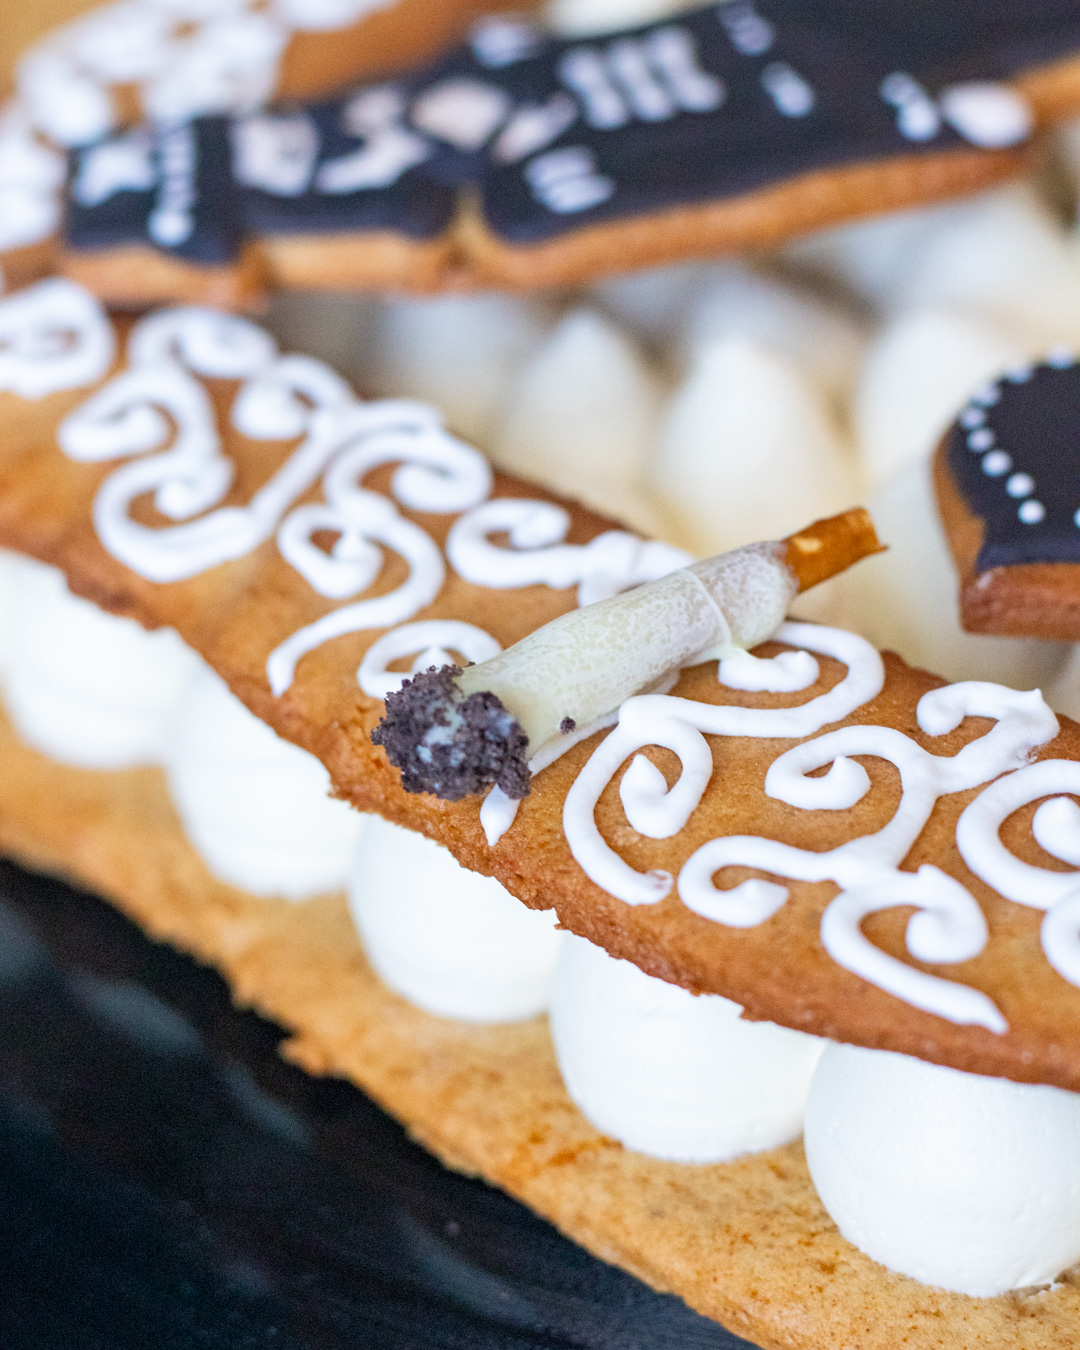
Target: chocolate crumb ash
x=567, y=725
x=449, y=744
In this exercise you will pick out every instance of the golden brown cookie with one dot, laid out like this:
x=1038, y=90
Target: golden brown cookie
x=259, y=618
x=136, y=277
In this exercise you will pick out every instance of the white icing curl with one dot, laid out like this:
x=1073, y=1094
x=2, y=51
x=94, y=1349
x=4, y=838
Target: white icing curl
x=1056, y=827
x=438, y=474
x=53, y=336
x=949, y=925
x=612, y=562
x=157, y=404
x=205, y=341
x=432, y=642
x=866, y=868
x=680, y=724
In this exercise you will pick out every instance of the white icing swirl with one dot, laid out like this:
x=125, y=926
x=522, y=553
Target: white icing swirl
x=786, y=673
x=157, y=404
x=438, y=474
x=868, y=865
x=31, y=177
x=612, y=562
x=368, y=517
x=1056, y=827
x=679, y=724
x=949, y=925
x=186, y=58
x=205, y=341
x=433, y=643
x=53, y=336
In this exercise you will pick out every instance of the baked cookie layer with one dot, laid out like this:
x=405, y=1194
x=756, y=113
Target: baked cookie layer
x=258, y=619
x=747, y=1243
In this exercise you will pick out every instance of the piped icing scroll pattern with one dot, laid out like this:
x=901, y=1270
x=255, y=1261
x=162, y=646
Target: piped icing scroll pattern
x=156, y=415
x=157, y=404
x=1014, y=457
x=186, y=58
x=948, y=925
x=539, y=556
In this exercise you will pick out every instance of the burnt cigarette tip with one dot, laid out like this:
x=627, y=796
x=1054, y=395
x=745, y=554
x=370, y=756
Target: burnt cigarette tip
x=449, y=745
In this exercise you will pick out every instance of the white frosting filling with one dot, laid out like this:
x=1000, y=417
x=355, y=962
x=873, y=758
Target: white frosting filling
x=670, y=1074
x=11, y=573
x=965, y=1182
x=735, y=300
x=749, y=449
x=451, y=941
x=87, y=687
x=256, y=807
x=460, y=352
x=918, y=373
x=583, y=417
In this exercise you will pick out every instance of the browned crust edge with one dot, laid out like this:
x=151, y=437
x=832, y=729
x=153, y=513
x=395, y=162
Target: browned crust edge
x=336, y=262
x=138, y=276
x=1040, y=600
x=754, y=220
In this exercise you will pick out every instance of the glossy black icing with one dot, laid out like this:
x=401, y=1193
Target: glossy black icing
x=170, y=187
x=170, y=1182
x=824, y=111
x=553, y=134
x=342, y=165
x=1014, y=454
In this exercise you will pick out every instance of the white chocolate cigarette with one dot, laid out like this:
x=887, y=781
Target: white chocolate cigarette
x=453, y=732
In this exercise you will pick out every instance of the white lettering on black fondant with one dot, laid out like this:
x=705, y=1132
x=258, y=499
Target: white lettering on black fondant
x=566, y=180
x=275, y=154
x=125, y=164
x=389, y=148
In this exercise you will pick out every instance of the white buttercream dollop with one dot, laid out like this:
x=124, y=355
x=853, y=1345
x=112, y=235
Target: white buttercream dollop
x=749, y=450
x=87, y=687
x=453, y=942
x=256, y=807
x=961, y=1181
x=11, y=573
x=733, y=299
x=583, y=417
x=458, y=352
x=918, y=374
x=672, y=1074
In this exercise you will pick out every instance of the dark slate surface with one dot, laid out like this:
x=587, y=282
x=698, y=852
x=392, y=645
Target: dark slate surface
x=170, y=1182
